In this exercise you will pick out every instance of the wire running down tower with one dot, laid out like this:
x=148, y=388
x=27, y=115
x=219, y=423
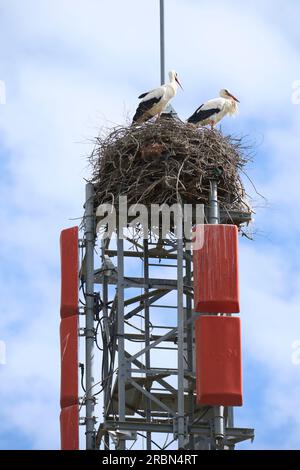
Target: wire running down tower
x=148, y=378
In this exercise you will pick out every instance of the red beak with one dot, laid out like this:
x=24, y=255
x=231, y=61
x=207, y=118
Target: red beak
x=178, y=82
x=234, y=98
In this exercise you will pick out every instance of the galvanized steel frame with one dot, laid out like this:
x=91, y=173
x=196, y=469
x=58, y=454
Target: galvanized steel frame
x=186, y=425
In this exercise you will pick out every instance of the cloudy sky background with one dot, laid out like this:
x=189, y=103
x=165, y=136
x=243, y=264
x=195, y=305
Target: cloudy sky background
x=72, y=66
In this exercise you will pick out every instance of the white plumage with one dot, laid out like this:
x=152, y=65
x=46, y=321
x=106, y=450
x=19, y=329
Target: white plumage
x=212, y=111
x=153, y=102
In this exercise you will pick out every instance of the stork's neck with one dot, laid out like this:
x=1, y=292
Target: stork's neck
x=173, y=84
x=231, y=105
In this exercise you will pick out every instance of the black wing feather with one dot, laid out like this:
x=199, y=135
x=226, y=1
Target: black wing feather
x=143, y=108
x=143, y=95
x=202, y=114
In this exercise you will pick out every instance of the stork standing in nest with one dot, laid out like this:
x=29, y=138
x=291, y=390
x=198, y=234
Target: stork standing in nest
x=212, y=111
x=154, y=102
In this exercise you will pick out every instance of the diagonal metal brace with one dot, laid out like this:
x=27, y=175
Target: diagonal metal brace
x=152, y=345
x=152, y=397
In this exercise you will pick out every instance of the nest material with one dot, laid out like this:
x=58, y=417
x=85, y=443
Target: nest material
x=168, y=161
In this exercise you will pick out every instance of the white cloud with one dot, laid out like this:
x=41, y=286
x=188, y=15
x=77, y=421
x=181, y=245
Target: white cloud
x=72, y=68
x=30, y=378
x=270, y=324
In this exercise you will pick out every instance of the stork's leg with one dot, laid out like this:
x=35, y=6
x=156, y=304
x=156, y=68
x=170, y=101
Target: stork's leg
x=211, y=125
x=158, y=116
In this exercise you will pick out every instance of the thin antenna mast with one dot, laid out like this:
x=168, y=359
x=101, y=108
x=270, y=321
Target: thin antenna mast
x=169, y=110
x=162, y=41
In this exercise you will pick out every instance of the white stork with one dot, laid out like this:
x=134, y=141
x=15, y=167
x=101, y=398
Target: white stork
x=212, y=111
x=154, y=102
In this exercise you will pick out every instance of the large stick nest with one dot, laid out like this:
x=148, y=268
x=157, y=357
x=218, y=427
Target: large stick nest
x=168, y=161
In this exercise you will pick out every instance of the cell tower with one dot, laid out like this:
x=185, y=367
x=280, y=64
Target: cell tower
x=137, y=397
x=164, y=381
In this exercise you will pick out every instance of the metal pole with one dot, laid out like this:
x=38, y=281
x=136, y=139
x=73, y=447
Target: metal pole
x=147, y=336
x=121, y=341
x=190, y=338
x=180, y=334
x=105, y=349
x=230, y=418
x=213, y=218
x=162, y=41
x=89, y=220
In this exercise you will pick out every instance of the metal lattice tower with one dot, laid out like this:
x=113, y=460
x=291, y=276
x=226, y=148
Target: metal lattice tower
x=140, y=398
x=138, y=395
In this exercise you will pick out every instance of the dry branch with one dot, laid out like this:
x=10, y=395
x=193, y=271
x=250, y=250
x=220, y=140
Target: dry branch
x=160, y=162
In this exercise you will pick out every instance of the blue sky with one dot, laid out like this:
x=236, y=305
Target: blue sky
x=73, y=66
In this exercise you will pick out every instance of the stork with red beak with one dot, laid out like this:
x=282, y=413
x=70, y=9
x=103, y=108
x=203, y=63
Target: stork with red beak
x=155, y=101
x=212, y=111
